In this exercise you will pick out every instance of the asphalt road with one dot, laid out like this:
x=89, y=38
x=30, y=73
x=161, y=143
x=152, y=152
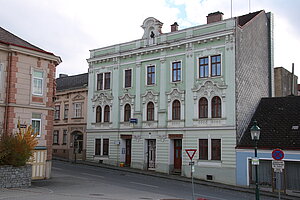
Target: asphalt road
x=82, y=182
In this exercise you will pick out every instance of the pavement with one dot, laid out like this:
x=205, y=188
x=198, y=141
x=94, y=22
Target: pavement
x=290, y=195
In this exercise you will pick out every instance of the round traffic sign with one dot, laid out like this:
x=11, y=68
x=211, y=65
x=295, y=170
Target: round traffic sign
x=277, y=154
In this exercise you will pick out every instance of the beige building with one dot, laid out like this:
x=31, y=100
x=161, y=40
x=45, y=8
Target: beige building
x=27, y=87
x=284, y=81
x=69, y=135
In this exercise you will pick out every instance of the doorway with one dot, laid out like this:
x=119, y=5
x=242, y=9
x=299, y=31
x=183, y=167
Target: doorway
x=78, y=145
x=128, y=152
x=151, y=154
x=177, y=155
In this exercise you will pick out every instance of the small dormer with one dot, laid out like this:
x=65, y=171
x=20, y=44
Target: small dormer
x=152, y=29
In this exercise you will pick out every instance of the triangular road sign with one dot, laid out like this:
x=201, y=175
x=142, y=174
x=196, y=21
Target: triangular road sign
x=191, y=153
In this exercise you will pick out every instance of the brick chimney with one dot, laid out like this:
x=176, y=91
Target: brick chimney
x=63, y=75
x=174, y=27
x=214, y=17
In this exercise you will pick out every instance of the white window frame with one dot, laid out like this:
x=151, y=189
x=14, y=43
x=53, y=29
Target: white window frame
x=103, y=80
x=146, y=75
x=56, y=112
x=76, y=109
x=209, y=146
x=209, y=65
x=38, y=78
x=171, y=71
x=40, y=128
x=131, y=84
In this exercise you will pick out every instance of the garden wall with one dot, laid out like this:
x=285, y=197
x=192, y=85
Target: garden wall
x=15, y=177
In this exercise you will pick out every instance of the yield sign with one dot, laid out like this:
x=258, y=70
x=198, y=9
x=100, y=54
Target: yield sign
x=191, y=153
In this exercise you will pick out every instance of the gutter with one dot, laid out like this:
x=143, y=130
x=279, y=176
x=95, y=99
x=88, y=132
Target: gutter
x=7, y=92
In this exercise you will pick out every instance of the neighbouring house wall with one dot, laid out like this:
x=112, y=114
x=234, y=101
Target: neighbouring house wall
x=252, y=69
x=283, y=82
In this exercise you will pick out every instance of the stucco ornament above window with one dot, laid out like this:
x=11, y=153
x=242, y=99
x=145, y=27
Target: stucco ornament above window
x=152, y=29
x=103, y=99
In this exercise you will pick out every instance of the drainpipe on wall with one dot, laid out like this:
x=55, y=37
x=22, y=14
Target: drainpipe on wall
x=7, y=92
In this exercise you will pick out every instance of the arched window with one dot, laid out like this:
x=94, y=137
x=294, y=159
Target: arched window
x=203, y=108
x=216, y=107
x=176, y=110
x=106, y=113
x=150, y=111
x=98, y=114
x=127, y=112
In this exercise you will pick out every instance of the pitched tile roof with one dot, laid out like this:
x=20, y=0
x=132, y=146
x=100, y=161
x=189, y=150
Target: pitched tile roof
x=11, y=39
x=72, y=82
x=279, y=120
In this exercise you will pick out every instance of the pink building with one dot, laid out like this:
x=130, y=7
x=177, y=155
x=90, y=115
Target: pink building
x=27, y=88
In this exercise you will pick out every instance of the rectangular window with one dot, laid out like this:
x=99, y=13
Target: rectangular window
x=203, y=67
x=216, y=65
x=66, y=111
x=57, y=112
x=103, y=81
x=36, y=123
x=77, y=110
x=203, y=149
x=151, y=75
x=105, y=147
x=107, y=81
x=216, y=149
x=100, y=81
x=128, y=77
x=176, y=71
x=37, y=88
x=55, y=137
x=98, y=147
x=65, y=137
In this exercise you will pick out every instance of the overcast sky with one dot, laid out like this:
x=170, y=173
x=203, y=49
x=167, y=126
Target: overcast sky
x=70, y=28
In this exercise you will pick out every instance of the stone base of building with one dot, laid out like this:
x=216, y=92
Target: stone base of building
x=15, y=177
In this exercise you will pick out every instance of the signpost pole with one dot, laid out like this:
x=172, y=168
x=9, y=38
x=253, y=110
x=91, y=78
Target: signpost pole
x=191, y=153
x=279, y=184
x=192, y=165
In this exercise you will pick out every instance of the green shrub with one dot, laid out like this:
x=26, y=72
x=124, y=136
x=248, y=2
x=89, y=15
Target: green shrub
x=17, y=149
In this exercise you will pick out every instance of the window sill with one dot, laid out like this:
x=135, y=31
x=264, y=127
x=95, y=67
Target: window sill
x=77, y=118
x=100, y=157
x=209, y=163
x=209, y=122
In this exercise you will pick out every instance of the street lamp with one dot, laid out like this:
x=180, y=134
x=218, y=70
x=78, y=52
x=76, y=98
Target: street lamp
x=255, y=132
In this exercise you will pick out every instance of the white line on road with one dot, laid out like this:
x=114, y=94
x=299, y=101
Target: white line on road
x=214, y=198
x=154, y=186
x=92, y=175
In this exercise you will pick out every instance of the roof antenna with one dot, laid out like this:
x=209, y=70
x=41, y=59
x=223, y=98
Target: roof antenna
x=292, y=81
x=231, y=9
x=249, y=6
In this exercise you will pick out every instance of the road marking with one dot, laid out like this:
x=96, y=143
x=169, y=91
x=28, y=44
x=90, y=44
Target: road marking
x=154, y=186
x=92, y=175
x=215, y=198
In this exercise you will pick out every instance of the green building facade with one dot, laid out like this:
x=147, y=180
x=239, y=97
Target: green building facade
x=153, y=98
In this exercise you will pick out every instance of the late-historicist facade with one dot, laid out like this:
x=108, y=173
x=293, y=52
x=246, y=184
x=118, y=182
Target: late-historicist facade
x=196, y=88
x=27, y=88
x=69, y=134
